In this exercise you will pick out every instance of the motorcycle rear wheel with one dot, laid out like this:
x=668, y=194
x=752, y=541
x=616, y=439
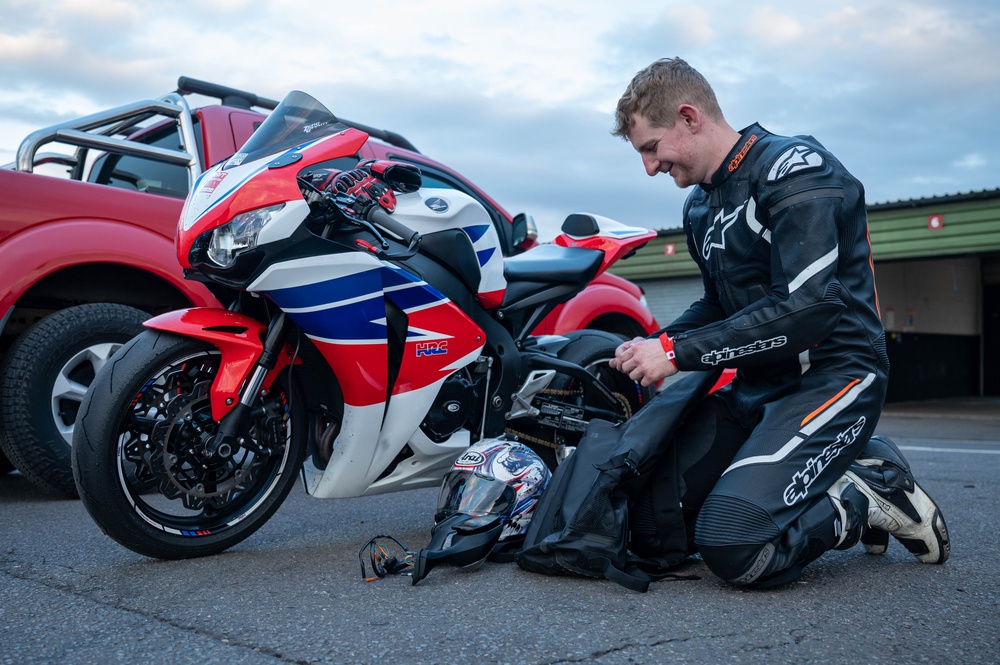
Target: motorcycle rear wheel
x=592, y=350
x=139, y=461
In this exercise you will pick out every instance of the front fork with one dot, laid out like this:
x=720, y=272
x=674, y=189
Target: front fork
x=235, y=422
x=252, y=354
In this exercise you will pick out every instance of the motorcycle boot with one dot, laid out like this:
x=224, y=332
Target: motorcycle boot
x=851, y=506
x=896, y=505
x=875, y=541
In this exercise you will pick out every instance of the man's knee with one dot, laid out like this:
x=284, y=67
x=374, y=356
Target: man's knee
x=735, y=538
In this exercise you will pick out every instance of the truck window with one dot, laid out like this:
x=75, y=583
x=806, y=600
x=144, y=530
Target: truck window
x=142, y=173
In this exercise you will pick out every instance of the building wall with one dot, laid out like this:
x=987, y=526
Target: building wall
x=939, y=296
x=932, y=312
x=668, y=298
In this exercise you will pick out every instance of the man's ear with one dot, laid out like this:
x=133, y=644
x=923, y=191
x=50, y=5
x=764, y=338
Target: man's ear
x=689, y=116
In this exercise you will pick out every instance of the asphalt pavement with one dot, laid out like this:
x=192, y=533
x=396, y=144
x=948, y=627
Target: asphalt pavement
x=293, y=593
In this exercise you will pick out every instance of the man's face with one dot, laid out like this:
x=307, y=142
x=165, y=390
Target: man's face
x=669, y=150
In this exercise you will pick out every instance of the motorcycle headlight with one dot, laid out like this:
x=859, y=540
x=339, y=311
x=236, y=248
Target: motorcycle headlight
x=238, y=235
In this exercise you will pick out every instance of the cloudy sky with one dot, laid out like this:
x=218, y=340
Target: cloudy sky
x=520, y=96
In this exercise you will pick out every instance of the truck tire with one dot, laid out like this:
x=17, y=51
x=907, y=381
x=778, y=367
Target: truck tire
x=5, y=465
x=44, y=377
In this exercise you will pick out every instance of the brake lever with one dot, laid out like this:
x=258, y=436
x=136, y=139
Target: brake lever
x=368, y=226
x=344, y=207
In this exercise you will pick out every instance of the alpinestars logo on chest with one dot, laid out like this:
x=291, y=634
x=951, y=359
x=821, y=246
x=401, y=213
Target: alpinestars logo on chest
x=716, y=236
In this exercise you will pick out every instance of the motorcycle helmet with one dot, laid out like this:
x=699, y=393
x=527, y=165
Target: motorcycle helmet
x=485, y=505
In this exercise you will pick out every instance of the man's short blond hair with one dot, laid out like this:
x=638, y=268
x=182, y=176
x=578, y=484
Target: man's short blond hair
x=657, y=91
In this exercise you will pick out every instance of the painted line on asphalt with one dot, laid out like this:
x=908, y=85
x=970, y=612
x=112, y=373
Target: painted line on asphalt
x=928, y=449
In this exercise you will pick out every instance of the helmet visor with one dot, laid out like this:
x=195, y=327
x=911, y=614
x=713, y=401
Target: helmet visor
x=472, y=494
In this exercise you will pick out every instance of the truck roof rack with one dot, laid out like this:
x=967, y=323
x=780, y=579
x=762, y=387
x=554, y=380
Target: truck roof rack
x=243, y=99
x=108, y=131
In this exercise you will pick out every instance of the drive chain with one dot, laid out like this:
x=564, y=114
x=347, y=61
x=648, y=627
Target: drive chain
x=552, y=444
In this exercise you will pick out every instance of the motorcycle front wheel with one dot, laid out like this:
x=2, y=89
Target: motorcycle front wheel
x=140, y=461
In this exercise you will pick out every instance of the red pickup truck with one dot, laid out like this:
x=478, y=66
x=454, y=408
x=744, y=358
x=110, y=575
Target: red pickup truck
x=85, y=259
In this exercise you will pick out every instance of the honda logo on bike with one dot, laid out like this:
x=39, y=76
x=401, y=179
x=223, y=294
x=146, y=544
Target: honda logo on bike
x=437, y=204
x=431, y=348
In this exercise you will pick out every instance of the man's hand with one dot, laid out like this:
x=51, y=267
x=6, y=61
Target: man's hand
x=644, y=360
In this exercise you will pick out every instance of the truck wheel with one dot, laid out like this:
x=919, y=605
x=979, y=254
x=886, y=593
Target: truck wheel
x=44, y=377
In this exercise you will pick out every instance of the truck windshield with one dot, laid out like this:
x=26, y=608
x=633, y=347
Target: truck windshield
x=298, y=120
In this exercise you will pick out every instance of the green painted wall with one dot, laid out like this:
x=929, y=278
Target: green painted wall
x=899, y=230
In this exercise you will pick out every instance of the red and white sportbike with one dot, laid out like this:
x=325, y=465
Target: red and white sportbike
x=363, y=350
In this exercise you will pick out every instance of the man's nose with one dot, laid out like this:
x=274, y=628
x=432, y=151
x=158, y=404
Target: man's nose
x=652, y=165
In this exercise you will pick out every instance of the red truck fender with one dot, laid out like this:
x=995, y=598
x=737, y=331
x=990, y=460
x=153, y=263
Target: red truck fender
x=27, y=257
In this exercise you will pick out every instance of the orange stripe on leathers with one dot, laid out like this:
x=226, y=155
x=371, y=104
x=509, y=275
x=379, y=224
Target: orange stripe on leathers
x=828, y=402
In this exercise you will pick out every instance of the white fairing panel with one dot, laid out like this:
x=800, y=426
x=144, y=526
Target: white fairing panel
x=357, y=463
x=433, y=210
x=612, y=228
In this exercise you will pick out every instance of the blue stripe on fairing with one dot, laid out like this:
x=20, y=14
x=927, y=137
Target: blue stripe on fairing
x=353, y=322
x=485, y=255
x=358, y=285
x=411, y=298
x=329, y=290
x=476, y=232
x=357, y=318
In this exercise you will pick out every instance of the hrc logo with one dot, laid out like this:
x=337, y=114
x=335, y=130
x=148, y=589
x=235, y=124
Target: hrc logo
x=431, y=348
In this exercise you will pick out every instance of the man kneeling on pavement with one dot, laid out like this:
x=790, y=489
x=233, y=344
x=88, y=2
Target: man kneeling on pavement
x=778, y=228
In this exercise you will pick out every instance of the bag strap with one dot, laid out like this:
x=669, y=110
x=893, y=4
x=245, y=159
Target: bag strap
x=633, y=579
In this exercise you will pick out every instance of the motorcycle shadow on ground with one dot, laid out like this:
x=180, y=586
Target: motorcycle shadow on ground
x=15, y=488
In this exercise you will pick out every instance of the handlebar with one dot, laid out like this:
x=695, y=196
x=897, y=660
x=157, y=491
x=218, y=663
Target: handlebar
x=384, y=220
x=374, y=219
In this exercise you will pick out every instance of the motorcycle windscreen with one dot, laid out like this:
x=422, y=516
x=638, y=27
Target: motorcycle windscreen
x=297, y=120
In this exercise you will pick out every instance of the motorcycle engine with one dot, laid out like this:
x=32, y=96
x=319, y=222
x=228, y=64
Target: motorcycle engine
x=451, y=408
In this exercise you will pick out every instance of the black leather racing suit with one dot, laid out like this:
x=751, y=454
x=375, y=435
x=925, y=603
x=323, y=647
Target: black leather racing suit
x=781, y=238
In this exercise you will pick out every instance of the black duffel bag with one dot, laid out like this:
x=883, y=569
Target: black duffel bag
x=613, y=509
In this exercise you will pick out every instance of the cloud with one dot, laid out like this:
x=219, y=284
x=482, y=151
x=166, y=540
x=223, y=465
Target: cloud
x=971, y=161
x=520, y=97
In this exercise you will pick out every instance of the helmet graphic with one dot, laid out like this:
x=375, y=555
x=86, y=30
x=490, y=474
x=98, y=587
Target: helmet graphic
x=485, y=505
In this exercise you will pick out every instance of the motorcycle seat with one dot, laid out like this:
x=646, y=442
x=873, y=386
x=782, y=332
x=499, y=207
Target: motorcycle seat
x=553, y=264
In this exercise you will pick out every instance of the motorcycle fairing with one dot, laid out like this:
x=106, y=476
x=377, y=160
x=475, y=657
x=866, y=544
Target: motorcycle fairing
x=356, y=465
x=455, y=209
x=339, y=303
